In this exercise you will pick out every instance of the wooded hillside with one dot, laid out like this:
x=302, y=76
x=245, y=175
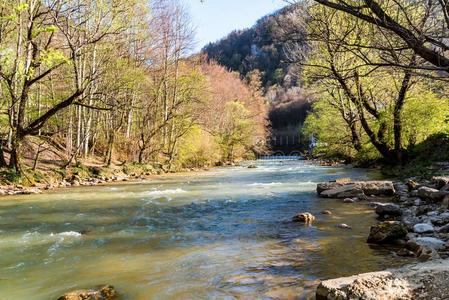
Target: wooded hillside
x=111, y=81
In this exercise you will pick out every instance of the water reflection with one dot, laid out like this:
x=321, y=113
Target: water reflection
x=224, y=234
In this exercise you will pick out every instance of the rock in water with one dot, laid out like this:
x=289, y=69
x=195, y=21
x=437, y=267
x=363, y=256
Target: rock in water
x=326, y=212
x=389, y=209
x=348, y=200
x=304, y=218
x=355, y=189
x=423, y=228
x=343, y=226
x=345, y=191
x=387, y=232
x=101, y=293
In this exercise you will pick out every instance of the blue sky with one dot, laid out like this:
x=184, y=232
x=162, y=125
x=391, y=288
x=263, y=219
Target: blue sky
x=214, y=19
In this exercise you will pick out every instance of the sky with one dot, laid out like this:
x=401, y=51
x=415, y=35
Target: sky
x=214, y=19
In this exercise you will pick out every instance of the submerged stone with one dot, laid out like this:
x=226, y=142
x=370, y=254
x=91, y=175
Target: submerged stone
x=100, y=293
x=305, y=217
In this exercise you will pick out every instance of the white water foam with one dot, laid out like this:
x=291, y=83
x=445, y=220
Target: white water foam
x=265, y=184
x=156, y=192
x=67, y=234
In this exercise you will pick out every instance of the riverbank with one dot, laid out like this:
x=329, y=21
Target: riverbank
x=38, y=182
x=414, y=217
x=425, y=281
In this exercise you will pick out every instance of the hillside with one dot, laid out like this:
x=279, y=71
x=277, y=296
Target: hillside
x=262, y=49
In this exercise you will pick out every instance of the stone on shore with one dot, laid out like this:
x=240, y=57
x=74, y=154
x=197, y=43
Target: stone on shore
x=387, y=232
x=440, y=181
x=345, y=191
x=101, y=293
x=423, y=228
x=355, y=189
x=305, y=217
x=431, y=193
x=430, y=242
x=422, y=281
x=388, y=209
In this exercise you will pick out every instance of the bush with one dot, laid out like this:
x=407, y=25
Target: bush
x=424, y=158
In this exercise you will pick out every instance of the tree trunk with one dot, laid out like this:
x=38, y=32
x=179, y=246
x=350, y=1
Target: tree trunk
x=14, y=161
x=355, y=137
x=36, y=157
x=3, y=163
x=141, y=153
x=110, y=151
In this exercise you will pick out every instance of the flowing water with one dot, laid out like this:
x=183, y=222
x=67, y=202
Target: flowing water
x=223, y=234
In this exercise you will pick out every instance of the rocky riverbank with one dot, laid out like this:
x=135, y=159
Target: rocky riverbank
x=92, y=177
x=413, y=216
x=425, y=281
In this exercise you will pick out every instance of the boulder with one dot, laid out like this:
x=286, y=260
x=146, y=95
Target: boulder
x=389, y=209
x=431, y=193
x=387, y=232
x=100, y=293
x=422, y=281
x=423, y=228
x=326, y=212
x=430, y=242
x=305, y=217
x=345, y=191
x=440, y=181
x=355, y=189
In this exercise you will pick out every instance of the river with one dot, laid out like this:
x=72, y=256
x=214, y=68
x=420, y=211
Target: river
x=222, y=234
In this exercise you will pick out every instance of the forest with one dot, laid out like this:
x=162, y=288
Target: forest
x=379, y=74
x=114, y=82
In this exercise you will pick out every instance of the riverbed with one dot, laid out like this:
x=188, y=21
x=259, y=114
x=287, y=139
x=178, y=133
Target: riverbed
x=222, y=234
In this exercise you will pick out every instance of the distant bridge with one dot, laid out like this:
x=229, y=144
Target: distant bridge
x=280, y=155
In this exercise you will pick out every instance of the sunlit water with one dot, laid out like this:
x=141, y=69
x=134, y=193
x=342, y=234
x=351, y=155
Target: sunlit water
x=223, y=234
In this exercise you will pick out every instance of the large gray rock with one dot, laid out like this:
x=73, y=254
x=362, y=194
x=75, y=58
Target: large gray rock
x=345, y=191
x=106, y=292
x=387, y=232
x=388, y=209
x=422, y=281
x=431, y=242
x=355, y=189
x=431, y=193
